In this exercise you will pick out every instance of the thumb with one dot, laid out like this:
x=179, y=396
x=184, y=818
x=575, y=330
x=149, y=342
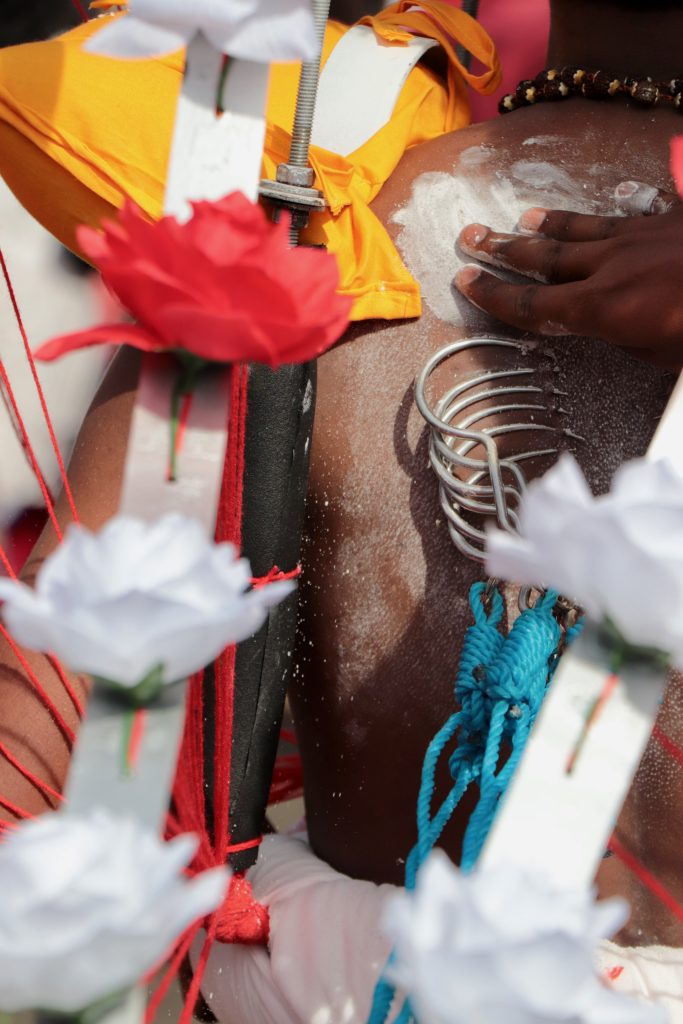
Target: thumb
x=637, y=198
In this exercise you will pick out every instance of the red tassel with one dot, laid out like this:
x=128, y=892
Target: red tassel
x=241, y=918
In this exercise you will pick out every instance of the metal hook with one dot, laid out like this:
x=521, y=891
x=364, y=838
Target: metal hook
x=476, y=483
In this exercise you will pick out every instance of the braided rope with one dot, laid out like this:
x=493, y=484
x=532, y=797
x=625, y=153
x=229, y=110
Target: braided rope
x=500, y=687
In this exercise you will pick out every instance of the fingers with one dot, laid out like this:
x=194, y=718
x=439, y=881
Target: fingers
x=637, y=198
x=544, y=259
x=537, y=308
x=570, y=227
x=633, y=197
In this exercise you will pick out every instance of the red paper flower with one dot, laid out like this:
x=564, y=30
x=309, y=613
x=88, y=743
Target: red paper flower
x=225, y=286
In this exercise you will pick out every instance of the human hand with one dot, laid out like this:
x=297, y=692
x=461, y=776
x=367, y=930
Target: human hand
x=615, y=278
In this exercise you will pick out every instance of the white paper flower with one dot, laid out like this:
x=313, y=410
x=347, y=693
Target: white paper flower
x=619, y=556
x=136, y=596
x=258, y=30
x=90, y=905
x=503, y=946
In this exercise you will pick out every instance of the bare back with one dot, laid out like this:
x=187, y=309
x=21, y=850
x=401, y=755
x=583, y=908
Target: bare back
x=384, y=602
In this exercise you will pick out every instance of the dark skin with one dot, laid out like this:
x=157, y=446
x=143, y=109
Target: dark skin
x=24, y=21
x=611, y=278
x=384, y=599
x=384, y=595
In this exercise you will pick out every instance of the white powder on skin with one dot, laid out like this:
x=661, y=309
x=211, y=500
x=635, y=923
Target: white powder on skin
x=540, y=174
x=543, y=140
x=442, y=204
x=476, y=155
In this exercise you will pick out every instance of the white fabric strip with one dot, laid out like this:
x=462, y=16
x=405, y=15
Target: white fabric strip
x=560, y=822
x=359, y=87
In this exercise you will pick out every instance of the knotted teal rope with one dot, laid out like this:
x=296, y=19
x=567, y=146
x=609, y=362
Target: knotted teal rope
x=500, y=688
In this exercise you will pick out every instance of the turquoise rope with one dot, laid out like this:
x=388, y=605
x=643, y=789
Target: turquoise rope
x=500, y=687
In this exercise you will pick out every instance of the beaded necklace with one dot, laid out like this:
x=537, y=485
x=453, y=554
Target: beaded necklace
x=555, y=84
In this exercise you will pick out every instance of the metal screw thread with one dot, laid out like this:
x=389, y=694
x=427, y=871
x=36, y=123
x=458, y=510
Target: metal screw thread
x=470, y=7
x=308, y=91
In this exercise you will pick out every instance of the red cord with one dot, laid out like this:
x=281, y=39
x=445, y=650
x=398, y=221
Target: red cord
x=36, y=380
x=275, y=576
x=18, y=812
x=63, y=678
x=47, y=497
x=43, y=787
x=6, y=563
x=67, y=684
x=240, y=919
x=81, y=10
x=56, y=715
x=174, y=966
x=667, y=744
x=250, y=844
x=646, y=877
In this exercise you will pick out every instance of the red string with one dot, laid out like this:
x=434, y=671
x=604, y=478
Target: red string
x=250, y=844
x=240, y=919
x=47, y=497
x=63, y=678
x=198, y=975
x=36, y=380
x=174, y=966
x=18, y=812
x=43, y=787
x=667, y=744
x=7, y=565
x=67, y=684
x=54, y=711
x=646, y=877
x=81, y=10
x=275, y=576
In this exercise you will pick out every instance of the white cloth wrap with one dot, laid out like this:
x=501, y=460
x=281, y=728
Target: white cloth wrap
x=326, y=950
x=650, y=972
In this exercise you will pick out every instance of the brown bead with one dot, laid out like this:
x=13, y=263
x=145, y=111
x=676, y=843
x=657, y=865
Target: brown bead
x=526, y=91
x=554, y=90
x=508, y=104
x=600, y=85
x=567, y=75
x=646, y=92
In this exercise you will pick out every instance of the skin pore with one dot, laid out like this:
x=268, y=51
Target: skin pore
x=384, y=594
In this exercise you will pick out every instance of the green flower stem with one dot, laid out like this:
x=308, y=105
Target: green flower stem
x=220, y=109
x=191, y=367
x=139, y=696
x=622, y=651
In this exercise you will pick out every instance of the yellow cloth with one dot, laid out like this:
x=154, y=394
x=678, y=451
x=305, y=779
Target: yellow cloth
x=79, y=133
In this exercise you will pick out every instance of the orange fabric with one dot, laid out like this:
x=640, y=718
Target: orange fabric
x=79, y=133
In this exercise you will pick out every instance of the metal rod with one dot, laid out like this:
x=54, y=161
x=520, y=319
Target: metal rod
x=308, y=92
x=470, y=7
x=306, y=101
